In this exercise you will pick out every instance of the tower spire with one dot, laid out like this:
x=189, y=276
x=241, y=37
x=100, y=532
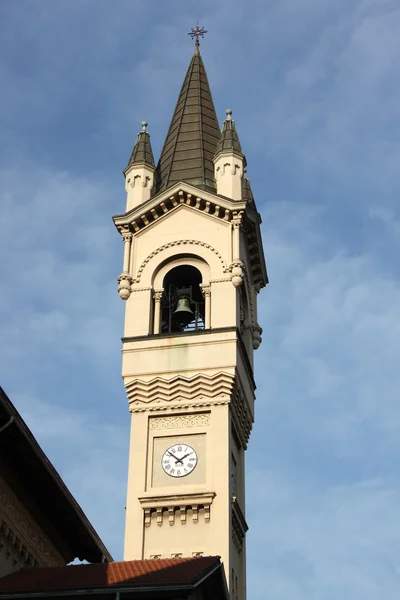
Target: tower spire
x=193, y=135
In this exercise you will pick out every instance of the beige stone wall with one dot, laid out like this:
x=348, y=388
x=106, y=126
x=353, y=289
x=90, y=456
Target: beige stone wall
x=191, y=389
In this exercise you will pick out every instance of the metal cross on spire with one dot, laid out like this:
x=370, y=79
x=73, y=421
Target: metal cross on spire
x=196, y=33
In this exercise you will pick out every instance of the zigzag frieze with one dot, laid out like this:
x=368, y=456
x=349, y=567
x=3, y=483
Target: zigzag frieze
x=201, y=390
x=180, y=387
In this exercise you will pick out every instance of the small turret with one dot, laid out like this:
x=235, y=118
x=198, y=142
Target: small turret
x=139, y=174
x=229, y=161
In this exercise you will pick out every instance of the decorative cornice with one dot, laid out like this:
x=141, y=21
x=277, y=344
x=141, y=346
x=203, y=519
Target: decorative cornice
x=142, y=289
x=241, y=415
x=16, y=552
x=20, y=526
x=184, y=334
x=222, y=280
x=211, y=205
x=176, y=406
x=239, y=525
x=172, y=503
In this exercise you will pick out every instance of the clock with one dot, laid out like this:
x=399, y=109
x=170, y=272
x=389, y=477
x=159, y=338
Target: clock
x=179, y=460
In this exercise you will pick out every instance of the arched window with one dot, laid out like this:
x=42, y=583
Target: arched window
x=182, y=303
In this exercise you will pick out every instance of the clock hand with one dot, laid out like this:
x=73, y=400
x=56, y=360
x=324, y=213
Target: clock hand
x=177, y=460
x=188, y=454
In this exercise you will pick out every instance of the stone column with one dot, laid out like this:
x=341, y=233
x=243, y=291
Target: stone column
x=127, y=239
x=157, y=310
x=206, y=290
x=236, y=239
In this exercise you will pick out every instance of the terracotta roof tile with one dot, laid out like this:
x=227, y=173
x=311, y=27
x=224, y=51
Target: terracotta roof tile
x=99, y=575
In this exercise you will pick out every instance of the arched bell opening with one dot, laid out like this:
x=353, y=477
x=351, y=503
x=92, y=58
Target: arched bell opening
x=182, y=302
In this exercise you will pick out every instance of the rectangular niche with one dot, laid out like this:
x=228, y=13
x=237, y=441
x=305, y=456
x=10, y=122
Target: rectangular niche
x=161, y=444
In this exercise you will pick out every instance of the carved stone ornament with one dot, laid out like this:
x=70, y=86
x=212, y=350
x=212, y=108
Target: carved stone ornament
x=178, y=421
x=124, y=285
x=126, y=236
x=257, y=339
x=237, y=270
x=205, y=290
x=24, y=532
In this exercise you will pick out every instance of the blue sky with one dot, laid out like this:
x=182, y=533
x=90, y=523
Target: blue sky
x=314, y=89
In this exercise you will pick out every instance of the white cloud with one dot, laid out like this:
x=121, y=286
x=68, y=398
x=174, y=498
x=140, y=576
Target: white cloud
x=324, y=453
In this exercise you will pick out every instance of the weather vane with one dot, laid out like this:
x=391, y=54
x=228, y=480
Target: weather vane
x=196, y=33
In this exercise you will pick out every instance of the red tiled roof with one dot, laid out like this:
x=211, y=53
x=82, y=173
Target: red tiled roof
x=99, y=575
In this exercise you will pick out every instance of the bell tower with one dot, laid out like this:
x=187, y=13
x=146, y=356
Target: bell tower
x=193, y=267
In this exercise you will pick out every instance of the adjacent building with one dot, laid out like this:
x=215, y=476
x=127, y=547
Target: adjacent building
x=41, y=524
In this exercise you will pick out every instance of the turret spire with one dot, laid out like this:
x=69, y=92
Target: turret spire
x=229, y=161
x=142, y=151
x=229, y=140
x=139, y=173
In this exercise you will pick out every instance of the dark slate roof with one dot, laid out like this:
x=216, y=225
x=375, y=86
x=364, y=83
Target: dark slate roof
x=229, y=140
x=193, y=135
x=51, y=503
x=162, y=572
x=247, y=193
x=142, y=152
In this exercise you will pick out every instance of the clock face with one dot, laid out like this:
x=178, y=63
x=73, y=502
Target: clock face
x=179, y=460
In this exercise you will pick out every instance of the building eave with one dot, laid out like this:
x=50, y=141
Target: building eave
x=137, y=211
x=39, y=477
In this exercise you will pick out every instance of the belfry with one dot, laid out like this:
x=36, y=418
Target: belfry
x=193, y=267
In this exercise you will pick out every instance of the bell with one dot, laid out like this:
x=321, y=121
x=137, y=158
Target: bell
x=183, y=314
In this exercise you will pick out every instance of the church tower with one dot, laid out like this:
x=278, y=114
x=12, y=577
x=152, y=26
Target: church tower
x=193, y=267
